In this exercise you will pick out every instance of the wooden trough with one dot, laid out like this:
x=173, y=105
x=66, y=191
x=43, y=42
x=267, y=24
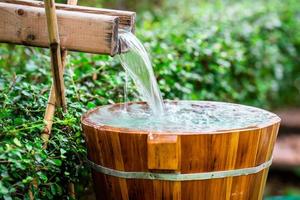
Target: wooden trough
x=84, y=29
x=136, y=165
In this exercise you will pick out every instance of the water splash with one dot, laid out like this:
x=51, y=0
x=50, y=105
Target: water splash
x=136, y=62
x=183, y=117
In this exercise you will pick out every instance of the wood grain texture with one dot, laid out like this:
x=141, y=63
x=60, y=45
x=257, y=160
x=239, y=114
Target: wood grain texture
x=26, y=25
x=127, y=18
x=163, y=152
x=207, y=152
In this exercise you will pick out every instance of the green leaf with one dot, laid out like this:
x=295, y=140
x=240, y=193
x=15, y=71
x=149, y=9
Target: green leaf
x=53, y=189
x=17, y=142
x=91, y=105
x=3, y=189
x=27, y=179
x=28, y=147
x=7, y=197
x=42, y=176
x=57, y=162
x=62, y=151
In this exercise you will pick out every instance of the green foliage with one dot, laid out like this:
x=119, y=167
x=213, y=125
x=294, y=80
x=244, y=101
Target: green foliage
x=247, y=53
x=292, y=197
x=242, y=52
x=23, y=97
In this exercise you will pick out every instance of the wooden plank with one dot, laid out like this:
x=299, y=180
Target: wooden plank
x=127, y=18
x=163, y=152
x=119, y=164
x=92, y=33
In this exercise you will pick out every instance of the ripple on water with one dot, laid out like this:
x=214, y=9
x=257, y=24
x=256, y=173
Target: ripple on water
x=182, y=116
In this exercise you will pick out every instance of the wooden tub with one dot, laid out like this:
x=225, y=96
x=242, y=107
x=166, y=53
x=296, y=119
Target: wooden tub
x=136, y=165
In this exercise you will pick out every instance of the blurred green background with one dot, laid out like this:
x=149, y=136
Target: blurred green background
x=236, y=51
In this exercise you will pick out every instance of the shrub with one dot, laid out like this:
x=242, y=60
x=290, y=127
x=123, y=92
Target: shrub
x=238, y=53
x=242, y=52
x=23, y=99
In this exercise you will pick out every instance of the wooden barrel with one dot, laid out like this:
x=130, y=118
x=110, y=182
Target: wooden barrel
x=136, y=165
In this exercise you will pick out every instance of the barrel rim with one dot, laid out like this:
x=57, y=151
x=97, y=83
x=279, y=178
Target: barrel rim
x=85, y=122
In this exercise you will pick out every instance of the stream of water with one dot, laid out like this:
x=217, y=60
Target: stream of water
x=137, y=64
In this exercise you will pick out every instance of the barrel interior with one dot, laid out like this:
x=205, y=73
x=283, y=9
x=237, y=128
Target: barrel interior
x=185, y=153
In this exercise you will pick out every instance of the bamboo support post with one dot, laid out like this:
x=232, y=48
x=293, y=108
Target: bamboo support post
x=55, y=52
x=50, y=110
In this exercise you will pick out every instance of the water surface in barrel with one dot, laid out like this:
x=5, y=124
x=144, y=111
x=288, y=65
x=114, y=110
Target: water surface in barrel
x=183, y=116
x=136, y=62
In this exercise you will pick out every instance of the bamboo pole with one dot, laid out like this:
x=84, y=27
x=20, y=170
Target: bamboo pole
x=50, y=109
x=52, y=102
x=48, y=117
x=56, y=63
x=54, y=99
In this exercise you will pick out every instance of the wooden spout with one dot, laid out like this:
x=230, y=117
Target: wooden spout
x=82, y=29
x=127, y=18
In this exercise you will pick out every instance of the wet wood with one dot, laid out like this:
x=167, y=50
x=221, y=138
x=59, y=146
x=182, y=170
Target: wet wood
x=78, y=31
x=127, y=18
x=219, y=151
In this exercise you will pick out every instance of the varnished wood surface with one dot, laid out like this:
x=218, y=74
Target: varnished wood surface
x=78, y=31
x=163, y=152
x=127, y=151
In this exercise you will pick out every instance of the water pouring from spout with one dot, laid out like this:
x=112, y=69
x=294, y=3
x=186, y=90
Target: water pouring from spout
x=137, y=64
